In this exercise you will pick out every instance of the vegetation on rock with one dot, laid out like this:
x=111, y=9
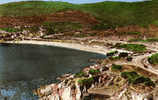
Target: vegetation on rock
x=116, y=67
x=123, y=54
x=10, y=29
x=135, y=78
x=115, y=58
x=94, y=71
x=144, y=40
x=102, y=26
x=129, y=58
x=112, y=53
x=86, y=81
x=153, y=59
x=133, y=47
x=80, y=74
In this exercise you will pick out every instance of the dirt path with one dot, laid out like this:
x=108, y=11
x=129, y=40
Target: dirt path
x=139, y=62
x=140, y=59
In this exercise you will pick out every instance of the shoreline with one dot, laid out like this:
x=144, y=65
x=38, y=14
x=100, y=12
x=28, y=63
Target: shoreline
x=85, y=47
x=76, y=46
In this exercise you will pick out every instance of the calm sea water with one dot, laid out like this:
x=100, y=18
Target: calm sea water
x=25, y=67
x=27, y=62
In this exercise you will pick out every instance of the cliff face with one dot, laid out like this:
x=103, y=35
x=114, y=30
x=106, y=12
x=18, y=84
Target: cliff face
x=60, y=92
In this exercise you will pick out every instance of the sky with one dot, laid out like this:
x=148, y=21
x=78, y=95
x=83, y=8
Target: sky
x=70, y=1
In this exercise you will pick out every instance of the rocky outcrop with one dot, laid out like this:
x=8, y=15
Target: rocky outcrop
x=72, y=87
x=94, y=83
x=60, y=92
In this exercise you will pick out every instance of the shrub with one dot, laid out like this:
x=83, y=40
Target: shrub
x=152, y=40
x=149, y=83
x=135, y=78
x=111, y=53
x=129, y=58
x=116, y=67
x=103, y=26
x=115, y=57
x=123, y=54
x=133, y=47
x=135, y=40
x=9, y=29
x=87, y=81
x=139, y=79
x=132, y=74
x=155, y=23
x=49, y=28
x=142, y=40
x=94, y=71
x=133, y=33
x=80, y=74
x=153, y=59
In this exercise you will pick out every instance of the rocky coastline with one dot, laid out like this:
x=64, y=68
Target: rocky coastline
x=99, y=81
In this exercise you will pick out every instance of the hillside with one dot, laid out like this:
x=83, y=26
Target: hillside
x=123, y=16
x=112, y=13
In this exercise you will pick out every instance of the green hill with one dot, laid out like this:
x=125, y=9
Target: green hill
x=109, y=13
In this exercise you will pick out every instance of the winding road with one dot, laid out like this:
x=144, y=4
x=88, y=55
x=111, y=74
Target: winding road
x=139, y=60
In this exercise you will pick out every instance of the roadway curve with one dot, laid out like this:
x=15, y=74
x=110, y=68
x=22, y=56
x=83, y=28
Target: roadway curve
x=139, y=60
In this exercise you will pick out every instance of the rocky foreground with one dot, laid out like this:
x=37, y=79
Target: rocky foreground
x=103, y=81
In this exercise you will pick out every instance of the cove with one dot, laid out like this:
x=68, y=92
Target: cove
x=27, y=62
x=25, y=67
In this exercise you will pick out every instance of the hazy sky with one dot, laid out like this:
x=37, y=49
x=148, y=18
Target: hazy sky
x=71, y=1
